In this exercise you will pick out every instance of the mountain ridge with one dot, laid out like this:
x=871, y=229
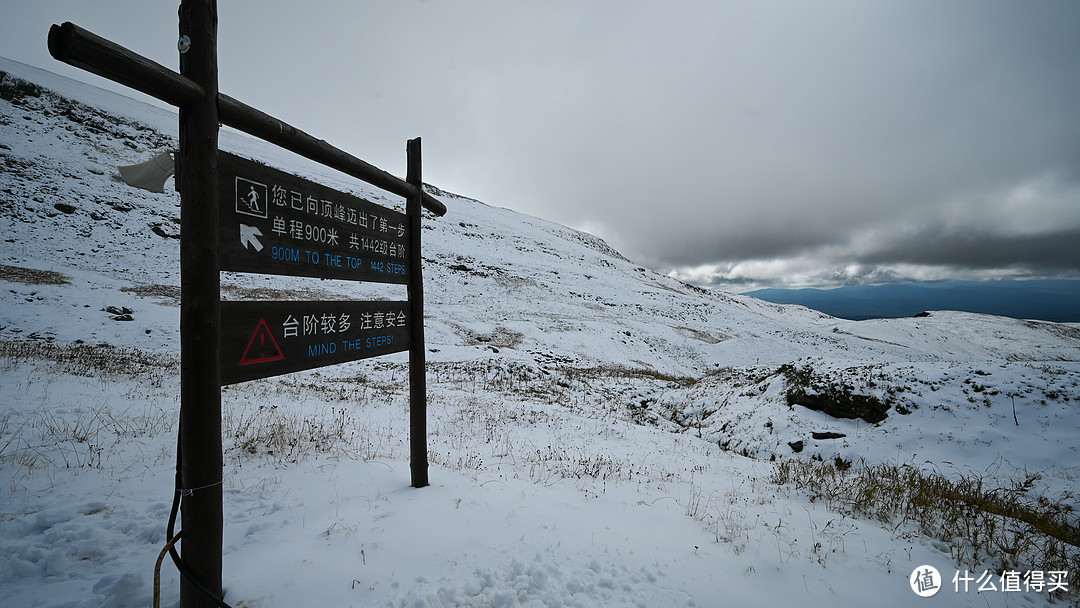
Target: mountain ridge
x=478, y=258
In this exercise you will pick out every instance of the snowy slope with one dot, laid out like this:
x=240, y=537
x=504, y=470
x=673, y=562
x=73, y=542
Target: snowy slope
x=600, y=434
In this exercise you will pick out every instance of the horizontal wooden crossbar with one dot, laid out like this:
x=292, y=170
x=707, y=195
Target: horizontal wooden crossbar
x=84, y=49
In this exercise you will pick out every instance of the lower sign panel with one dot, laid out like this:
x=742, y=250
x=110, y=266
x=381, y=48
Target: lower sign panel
x=263, y=339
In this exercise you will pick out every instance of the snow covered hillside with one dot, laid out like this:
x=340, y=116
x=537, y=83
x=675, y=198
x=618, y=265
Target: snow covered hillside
x=600, y=434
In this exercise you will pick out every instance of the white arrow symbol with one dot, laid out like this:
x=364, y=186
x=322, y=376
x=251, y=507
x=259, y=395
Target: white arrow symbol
x=247, y=237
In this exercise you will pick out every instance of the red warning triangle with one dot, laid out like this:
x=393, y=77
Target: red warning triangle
x=262, y=347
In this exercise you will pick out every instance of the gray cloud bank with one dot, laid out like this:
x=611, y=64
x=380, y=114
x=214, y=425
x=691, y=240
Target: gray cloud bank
x=799, y=143
x=907, y=142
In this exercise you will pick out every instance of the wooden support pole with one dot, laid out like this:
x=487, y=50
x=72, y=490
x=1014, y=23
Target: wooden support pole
x=418, y=458
x=200, y=322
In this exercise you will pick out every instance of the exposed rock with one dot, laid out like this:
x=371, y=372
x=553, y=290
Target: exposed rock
x=866, y=407
x=827, y=435
x=160, y=231
x=15, y=89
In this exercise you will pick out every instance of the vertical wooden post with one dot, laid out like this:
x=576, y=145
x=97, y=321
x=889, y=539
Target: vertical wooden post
x=200, y=323
x=418, y=458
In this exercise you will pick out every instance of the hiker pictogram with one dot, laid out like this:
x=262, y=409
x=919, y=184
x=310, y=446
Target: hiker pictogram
x=251, y=198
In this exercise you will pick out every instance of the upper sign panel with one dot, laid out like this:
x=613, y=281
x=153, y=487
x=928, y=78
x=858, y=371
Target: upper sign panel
x=272, y=222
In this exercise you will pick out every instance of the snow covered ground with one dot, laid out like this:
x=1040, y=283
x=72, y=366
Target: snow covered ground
x=600, y=434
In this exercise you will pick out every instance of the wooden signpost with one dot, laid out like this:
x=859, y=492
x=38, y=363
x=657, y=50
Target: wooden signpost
x=239, y=215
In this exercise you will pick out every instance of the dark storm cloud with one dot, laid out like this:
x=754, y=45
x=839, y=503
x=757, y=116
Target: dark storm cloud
x=1047, y=253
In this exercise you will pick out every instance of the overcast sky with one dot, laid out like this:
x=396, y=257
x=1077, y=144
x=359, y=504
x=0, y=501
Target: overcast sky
x=734, y=144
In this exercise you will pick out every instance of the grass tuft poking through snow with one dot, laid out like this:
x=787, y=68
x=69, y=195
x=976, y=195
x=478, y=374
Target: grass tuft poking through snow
x=978, y=520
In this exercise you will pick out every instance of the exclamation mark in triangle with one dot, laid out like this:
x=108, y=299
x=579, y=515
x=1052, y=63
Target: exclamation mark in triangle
x=262, y=347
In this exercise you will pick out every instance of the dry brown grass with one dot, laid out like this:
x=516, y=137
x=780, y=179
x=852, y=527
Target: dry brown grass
x=32, y=276
x=981, y=520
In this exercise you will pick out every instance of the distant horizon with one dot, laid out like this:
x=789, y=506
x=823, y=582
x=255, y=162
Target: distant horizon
x=833, y=286
x=1055, y=300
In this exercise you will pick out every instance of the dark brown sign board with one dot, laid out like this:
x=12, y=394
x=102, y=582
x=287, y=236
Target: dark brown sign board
x=273, y=222
x=263, y=339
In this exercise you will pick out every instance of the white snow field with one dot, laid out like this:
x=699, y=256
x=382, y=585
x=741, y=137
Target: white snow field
x=599, y=434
